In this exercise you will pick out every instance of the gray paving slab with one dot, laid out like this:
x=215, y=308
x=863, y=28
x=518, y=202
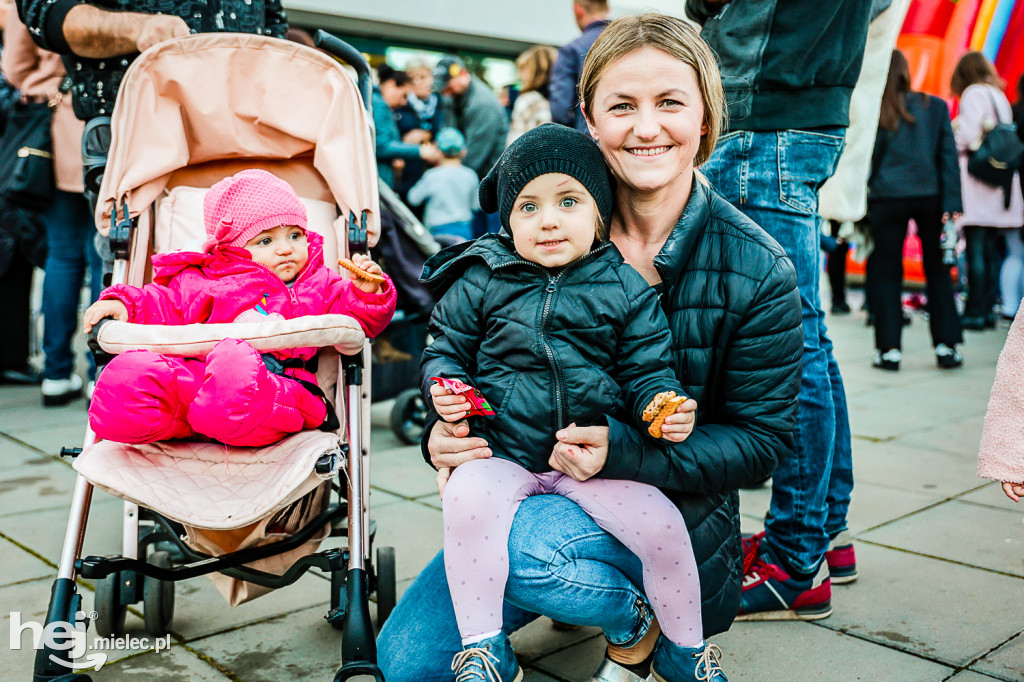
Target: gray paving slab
x=172, y=665
x=46, y=485
x=414, y=530
x=959, y=435
x=991, y=495
x=401, y=471
x=872, y=504
x=897, y=467
x=20, y=565
x=972, y=676
x=51, y=438
x=1006, y=662
x=920, y=605
x=950, y=531
x=540, y=638
x=29, y=600
x=43, y=531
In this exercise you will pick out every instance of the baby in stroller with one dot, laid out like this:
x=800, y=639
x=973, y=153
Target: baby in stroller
x=258, y=262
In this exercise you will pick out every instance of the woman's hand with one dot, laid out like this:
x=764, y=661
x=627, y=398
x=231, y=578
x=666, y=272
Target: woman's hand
x=448, y=404
x=581, y=451
x=678, y=426
x=1013, y=490
x=100, y=309
x=449, y=446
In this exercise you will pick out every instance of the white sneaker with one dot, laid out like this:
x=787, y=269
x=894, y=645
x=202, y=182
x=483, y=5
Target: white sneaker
x=61, y=391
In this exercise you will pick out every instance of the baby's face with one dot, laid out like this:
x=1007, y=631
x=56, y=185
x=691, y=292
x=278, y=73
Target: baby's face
x=553, y=220
x=283, y=250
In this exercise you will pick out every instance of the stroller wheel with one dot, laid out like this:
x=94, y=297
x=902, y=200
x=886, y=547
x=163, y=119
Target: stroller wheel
x=158, y=598
x=408, y=416
x=387, y=588
x=110, y=612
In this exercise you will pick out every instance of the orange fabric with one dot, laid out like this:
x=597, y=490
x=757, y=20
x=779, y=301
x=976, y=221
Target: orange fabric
x=273, y=99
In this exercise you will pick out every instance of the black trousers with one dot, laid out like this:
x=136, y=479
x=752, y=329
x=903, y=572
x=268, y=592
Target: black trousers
x=836, y=266
x=889, y=218
x=15, y=291
x=984, y=258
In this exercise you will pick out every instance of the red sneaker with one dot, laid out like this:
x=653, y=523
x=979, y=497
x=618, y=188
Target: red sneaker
x=842, y=562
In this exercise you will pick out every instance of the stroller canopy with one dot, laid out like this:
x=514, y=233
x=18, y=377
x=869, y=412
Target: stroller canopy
x=213, y=101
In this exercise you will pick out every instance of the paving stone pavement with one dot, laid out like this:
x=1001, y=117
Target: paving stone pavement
x=940, y=551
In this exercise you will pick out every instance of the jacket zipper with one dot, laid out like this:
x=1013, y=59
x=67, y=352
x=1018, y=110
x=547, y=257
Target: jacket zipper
x=560, y=407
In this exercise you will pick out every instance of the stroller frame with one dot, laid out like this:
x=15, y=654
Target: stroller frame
x=353, y=577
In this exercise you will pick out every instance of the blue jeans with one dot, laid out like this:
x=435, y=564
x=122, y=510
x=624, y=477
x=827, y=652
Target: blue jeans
x=561, y=565
x=774, y=178
x=69, y=237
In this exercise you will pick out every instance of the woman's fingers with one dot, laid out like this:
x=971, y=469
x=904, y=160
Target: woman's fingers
x=450, y=445
x=1013, y=491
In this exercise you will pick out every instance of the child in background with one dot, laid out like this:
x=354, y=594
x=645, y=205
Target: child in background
x=259, y=262
x=553, y=328
x=449, y=189
x=1001, y=456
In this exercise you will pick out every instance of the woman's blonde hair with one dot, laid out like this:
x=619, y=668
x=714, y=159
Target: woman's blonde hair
x=536, y=65
x=668, y=34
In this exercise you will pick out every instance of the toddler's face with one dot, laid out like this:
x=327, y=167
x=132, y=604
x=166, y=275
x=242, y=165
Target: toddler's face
x=553, y=220
x=283, y=250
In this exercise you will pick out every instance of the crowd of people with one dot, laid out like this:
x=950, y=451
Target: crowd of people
x=644, y=218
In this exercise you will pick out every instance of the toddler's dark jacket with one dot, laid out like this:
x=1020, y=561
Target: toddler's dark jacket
x=545, y=347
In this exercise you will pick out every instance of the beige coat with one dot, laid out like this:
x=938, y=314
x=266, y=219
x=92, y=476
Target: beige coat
x=1001, y=456
x=37, y=74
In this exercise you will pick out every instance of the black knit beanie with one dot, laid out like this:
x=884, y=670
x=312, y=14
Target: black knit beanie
x=550, y=148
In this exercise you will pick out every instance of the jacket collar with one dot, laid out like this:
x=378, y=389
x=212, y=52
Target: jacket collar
x=689, y=230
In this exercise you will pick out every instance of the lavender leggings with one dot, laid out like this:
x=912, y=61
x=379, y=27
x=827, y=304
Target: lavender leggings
x=482, y=497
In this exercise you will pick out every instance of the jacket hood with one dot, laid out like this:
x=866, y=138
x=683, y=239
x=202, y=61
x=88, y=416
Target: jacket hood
x=227, y=260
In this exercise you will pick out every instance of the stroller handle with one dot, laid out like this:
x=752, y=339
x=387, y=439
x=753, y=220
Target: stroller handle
x=337, y=47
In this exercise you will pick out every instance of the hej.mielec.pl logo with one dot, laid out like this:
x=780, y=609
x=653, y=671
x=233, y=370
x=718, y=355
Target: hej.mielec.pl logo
x=71, y=638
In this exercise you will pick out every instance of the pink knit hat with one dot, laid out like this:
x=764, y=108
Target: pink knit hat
x=238, y=208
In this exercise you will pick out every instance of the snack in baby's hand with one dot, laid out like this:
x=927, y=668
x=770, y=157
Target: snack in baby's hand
x=478, y=405
x=359, y=272
x=659, y=409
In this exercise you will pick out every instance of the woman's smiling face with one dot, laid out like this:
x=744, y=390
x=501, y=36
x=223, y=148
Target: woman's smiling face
x=648, y=118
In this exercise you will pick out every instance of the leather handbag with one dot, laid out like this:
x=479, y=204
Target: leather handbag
x=998, y=156
x=26, y=157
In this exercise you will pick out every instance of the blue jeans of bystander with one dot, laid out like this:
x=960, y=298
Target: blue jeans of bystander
x=69, y=236
x=562, y=565
x=774, y=177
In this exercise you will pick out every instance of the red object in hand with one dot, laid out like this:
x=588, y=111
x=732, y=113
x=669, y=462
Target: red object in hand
x=478, y=405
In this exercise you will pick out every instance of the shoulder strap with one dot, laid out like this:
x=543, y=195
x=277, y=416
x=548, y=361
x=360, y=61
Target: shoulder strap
x=995, y=104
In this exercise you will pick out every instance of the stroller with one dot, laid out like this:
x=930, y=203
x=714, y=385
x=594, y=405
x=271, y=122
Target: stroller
x=255, y=517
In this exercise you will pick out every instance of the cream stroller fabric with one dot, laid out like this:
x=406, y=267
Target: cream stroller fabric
x=296, y=112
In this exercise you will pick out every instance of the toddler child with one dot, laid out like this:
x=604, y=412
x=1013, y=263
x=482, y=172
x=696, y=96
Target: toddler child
x=552, y=327
x=258, y=262
x=449, y=189
x=1001, y=455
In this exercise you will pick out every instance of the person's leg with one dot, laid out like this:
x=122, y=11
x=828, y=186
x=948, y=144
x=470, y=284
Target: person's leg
x=836, y=268
x=243, y=403
x=561, y=564
x=885, y=270
x=1011, y=276
x=974, y=253
x=15, y=294
x=142, y=397
x=480, y=500
x=993, y=247
x=62, y=286
x=943, y=320
x=644, y=520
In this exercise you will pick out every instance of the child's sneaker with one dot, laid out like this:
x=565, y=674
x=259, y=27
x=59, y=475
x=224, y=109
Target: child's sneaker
x=489, y=660
x=676, y=663
x=770, y=593
x=842, y=562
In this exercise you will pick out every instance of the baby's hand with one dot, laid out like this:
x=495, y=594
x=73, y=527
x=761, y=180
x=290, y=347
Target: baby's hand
x=449, y=405
x=364, y=263
x=1013, y=490
x=678, y=426
x=100, y=309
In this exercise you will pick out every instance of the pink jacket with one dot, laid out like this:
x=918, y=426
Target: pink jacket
x=224, y=286
x=980, y=107
x=1001, y=456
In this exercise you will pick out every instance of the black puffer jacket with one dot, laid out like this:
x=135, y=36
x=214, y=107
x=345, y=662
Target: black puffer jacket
x=545, y=347
x=734, y=311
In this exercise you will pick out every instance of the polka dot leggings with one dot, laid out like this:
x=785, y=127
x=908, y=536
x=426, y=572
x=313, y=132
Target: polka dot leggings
x=480, y=501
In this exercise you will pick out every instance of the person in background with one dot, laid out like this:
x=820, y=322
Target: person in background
x=836, y=249
x=989, y=212
x=390, y=94
x=914, y=176
x=592, y=18
x=531, y=107
x=477, y=113
x=449, y=190
x=1001, y=453
x=68, y=220
x=786, y=130
x=418, y=120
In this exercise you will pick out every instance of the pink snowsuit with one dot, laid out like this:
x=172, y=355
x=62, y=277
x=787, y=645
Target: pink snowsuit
x=230, y=396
